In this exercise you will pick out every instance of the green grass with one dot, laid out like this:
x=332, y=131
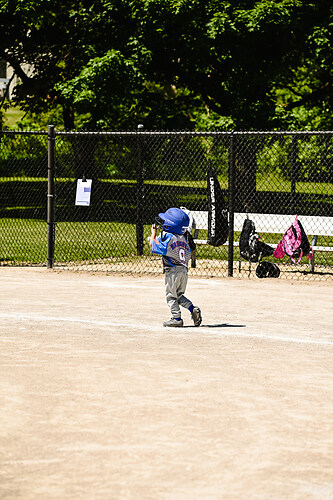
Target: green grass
x=275, y=183
x=76, y=241
x=12, y=117
x=25, y=241
x=270, y=182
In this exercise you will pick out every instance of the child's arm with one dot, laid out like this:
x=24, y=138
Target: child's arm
x=153, y=235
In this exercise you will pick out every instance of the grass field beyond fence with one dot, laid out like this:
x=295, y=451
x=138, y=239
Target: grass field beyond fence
x=24, y=241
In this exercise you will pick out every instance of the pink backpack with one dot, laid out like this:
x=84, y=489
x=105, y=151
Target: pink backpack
x=294, y=243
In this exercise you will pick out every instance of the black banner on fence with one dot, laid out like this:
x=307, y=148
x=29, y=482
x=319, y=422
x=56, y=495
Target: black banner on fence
x=217, y=211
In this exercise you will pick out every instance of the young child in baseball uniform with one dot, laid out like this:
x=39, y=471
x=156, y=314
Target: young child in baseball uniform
x=175, y=249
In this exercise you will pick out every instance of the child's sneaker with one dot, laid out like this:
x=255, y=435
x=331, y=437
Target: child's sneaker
x=196, y=316
x=174, y=322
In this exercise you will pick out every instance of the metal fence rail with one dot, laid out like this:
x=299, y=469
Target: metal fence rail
x=137, y=174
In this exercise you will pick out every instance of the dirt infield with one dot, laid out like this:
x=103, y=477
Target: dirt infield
x=99, y=401
x=205, y=268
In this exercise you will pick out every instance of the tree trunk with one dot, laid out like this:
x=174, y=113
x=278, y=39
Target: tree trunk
x=68, y=117
x=245, y=176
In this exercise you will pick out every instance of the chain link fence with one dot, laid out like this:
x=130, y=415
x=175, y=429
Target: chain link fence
x=137, y=174
x=23, y=198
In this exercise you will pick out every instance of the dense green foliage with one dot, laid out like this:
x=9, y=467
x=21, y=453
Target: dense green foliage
x=180, y=64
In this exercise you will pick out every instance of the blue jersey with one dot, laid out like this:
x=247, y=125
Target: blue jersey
x=174, y=249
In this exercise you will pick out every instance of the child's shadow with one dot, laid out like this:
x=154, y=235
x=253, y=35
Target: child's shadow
x=224, y=325
x=218, y=325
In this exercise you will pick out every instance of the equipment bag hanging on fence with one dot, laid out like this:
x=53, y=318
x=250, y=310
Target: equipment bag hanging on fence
x=250, y=246
x=217, y=211
x=294, y=243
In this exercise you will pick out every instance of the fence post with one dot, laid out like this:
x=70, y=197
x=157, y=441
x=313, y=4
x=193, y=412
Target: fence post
x=293, y=173
x=139, y=196
x=231, y=182
x=50, y=196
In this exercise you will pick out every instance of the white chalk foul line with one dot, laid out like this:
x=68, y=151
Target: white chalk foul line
x=221, y=331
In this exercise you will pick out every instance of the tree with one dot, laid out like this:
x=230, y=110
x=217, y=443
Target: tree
x=182, y=64
x=237, y=55
x=57, y=41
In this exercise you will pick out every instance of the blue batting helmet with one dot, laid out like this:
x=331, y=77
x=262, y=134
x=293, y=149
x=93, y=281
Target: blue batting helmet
x=174, y=221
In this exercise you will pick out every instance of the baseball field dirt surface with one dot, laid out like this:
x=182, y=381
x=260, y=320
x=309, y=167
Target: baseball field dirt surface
x=99, y=401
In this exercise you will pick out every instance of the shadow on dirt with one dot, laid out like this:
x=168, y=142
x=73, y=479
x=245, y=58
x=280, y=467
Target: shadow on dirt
x=218, y=325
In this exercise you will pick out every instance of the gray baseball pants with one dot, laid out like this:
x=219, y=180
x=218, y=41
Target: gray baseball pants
x=175, y=286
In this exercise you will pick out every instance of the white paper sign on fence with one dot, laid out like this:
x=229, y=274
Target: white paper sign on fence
x=83, y=192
